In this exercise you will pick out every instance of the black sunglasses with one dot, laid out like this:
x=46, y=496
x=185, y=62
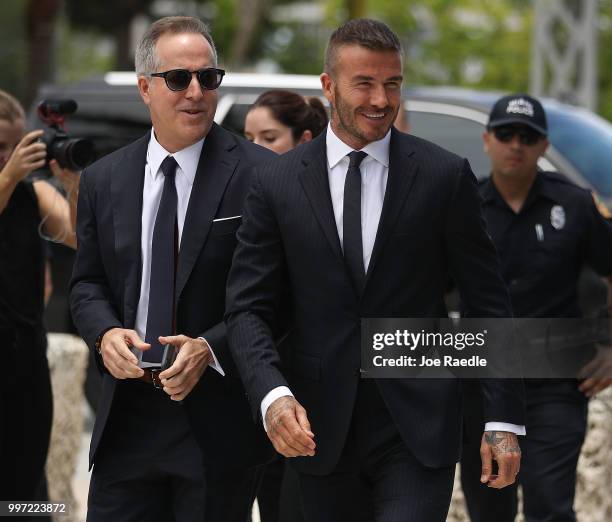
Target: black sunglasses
x=179, y=79
x=526, y=135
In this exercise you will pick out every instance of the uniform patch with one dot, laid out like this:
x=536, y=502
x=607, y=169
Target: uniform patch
x=557, y=217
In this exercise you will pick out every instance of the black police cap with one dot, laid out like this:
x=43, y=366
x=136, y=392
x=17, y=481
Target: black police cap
x=519, y=108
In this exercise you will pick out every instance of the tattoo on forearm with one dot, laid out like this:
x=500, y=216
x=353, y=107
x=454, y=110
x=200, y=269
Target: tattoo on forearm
x=502, y=441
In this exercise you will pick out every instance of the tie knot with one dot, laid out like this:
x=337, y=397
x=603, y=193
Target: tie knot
x=355, y=158
x=168, y=166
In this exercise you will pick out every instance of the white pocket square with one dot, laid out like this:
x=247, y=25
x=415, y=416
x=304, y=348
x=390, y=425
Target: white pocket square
x=226, y=219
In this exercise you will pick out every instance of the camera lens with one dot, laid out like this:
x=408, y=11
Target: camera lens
x=74, y=153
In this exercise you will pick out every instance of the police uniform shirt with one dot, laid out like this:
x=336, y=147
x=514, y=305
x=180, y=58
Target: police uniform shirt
x=543, y=247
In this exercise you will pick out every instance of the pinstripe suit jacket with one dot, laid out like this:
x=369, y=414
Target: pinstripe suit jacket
x=431, y=225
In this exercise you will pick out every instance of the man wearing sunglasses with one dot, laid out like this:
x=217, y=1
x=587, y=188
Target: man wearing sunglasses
x=173, y=439
x=545, y=230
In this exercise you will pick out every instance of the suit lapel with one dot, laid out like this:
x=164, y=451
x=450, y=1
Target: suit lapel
x=215, y=169
x=402, y=172
x=314, y=180
x=126, y=186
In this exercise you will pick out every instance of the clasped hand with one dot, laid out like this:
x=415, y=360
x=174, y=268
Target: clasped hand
x=193, y=356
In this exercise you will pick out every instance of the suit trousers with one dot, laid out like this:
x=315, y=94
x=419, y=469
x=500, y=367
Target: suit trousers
x=556, y=426
x=149, y=467
x=378, y=478
x=279, y=498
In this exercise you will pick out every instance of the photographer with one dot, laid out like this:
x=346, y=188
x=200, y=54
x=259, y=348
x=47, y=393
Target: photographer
x=29, y=212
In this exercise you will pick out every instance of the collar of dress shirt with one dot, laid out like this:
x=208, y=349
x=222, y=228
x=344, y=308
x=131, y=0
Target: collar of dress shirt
x=337, y=149
x=186, y=158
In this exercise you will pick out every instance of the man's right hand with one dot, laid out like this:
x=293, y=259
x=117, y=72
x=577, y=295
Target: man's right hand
x=116, y=354
x=29, y=155
x=289, y=429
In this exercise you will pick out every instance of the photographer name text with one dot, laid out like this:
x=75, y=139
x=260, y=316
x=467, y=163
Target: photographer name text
x=446, y=361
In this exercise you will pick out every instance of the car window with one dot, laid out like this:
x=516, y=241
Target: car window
x=586, y=142
x=459, y=135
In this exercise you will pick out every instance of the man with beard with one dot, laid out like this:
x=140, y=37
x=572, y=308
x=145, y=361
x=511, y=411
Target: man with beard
x=364, y=221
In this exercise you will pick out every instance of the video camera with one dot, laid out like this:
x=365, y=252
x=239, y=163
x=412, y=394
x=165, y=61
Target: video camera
x=71, y=153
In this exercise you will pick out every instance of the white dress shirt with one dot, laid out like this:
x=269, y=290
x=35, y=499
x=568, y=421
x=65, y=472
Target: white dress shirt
x=187, y=160
x=374, y=173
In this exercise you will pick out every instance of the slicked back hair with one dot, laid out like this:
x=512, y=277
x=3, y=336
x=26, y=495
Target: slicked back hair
x=371, y=34
x=10, y=109
x=292, y=110
x=146, y=59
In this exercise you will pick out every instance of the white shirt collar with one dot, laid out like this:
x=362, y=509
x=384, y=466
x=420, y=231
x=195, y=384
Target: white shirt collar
x=186, y=158
x=337, y=149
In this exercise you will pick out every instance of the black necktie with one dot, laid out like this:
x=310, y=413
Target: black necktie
x=163, y=258
x=351, y=221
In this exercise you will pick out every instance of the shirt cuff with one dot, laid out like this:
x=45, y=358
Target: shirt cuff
x=215, y=364
x=271, y=396
x=504, y=426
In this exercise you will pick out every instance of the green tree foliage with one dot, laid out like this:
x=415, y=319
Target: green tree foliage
x=468, y=43
x=484, y=44
x=223, y=26
x=605, y=58
x=12, y=47
x=111, y=17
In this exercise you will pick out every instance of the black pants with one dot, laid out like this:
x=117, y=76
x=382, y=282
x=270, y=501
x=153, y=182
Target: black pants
x=279, y=497
x=149, y=467
x=556, y=427
x=378, y=478
x=26, y=413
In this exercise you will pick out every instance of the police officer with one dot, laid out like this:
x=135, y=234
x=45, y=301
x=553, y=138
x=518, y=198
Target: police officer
x=545, y=229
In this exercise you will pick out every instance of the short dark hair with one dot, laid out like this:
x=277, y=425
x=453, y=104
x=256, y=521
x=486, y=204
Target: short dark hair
x=292, y=110
x=371, y=34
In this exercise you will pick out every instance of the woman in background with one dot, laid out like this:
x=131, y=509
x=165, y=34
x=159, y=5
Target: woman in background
x=27, y=208
x=281, y=120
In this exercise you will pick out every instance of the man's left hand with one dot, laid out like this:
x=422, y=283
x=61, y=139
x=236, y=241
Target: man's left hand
x=193, y=357
x=503, y=447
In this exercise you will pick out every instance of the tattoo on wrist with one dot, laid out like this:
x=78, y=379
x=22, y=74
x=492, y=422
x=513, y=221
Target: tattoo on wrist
x=502, y=441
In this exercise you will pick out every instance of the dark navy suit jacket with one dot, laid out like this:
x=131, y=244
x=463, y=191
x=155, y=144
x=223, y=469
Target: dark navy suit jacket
x=105, y=286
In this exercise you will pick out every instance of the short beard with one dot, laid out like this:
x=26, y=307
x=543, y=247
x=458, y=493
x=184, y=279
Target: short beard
x=352, y=130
